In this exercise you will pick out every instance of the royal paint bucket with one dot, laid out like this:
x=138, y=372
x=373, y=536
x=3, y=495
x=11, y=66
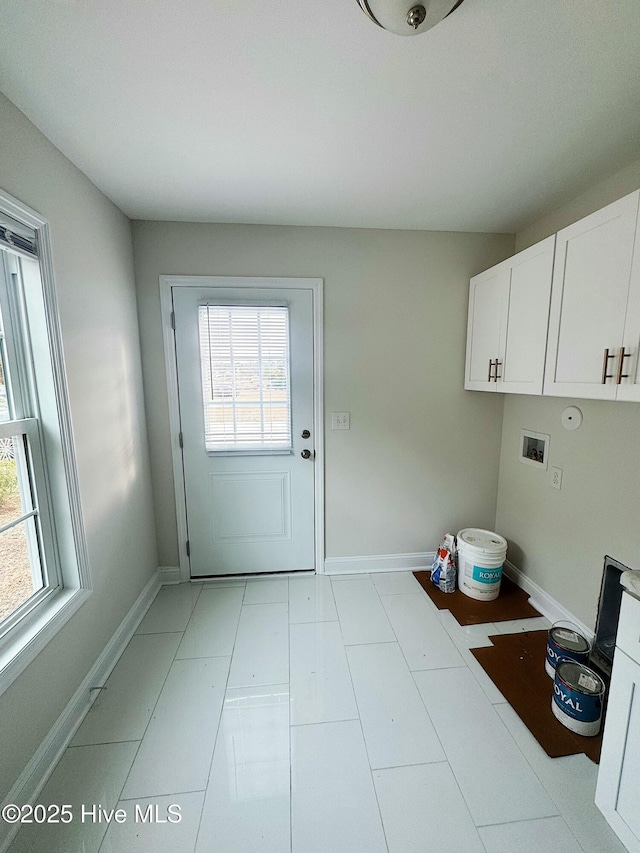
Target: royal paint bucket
x=565, y=641
x=578, y=696
x=481, y=555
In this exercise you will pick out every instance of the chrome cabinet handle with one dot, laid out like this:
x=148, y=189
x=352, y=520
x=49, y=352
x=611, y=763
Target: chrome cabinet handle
x=490, y=377
x=622, y=375
x=497, y=375
x=605, y=364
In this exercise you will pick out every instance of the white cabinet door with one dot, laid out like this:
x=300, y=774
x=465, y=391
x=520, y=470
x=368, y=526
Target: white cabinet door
x=628, y=387
x=507, y=325
x=488, y=296
x=525, y=343
x=619, y=773
x=590, y=294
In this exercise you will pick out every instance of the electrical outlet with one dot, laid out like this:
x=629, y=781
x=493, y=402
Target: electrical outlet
x=556, y=478
x=340, y=420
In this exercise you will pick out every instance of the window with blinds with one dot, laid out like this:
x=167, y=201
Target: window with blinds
x=244, y=358
x=44, y=571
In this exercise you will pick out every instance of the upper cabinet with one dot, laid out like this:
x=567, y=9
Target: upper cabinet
x=594, y=324
x=507, y=327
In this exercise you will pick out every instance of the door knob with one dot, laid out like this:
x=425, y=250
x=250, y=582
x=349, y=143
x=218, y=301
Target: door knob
x=306, y=454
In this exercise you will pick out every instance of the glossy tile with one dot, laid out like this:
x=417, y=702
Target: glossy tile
x=534, y=836
x=423, y=640
x=467, y=636
x=486, y=684
x=571, y=783
x=321, y=689
x=395, y=583
x=361, y=614
x=75, y=782
x=156, y=825
x=171, y=609
x=267, y=591
x=211, y=631
x=463, y=762
x=482, y=753
x=261, y=654
x=397, y=729
x=247, y=807
x=175, y=753
x=422, y=809
x=311, y=600
x=354, y=576
x=123, y=710
x=333, y=802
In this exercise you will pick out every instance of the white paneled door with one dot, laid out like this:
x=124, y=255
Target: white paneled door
x=245, y=371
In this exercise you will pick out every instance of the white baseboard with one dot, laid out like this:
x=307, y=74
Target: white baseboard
x=42, y=763
x=169, y=575
x=542, y=601
x=379, y=563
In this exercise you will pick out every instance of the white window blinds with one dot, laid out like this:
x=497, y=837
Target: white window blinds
x=16, y=237
x=244, y=358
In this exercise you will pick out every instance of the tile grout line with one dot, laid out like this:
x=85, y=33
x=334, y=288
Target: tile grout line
x=155, y=705
x=435, y=730
x=157, y=796
x=101, y=743
x=524, y=820
x=151, y=634
x=355, y=695
x=538, y=777
x=323, y=722
x=528, y=764
x=224, y=697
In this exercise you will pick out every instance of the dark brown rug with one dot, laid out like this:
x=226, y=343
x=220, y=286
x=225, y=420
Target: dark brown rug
x=512, y=603
x=515, y=664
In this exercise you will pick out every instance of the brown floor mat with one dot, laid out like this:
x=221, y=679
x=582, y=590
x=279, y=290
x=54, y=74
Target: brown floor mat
x=515, y=664
x=512, y=603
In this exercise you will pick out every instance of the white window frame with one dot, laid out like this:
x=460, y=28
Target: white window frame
x=38, y=620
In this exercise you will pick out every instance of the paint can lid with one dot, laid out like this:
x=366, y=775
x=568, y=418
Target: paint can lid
x=567, y=638
x=579, y=677
x=484, y=540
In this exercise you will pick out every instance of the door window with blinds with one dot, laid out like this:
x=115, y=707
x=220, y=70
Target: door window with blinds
x=244, y=359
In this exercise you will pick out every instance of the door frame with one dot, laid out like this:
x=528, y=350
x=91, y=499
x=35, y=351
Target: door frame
x=240, y=283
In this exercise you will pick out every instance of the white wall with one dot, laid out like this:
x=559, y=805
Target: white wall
x=93, y=263
x=603, y=192
x=421, y=457
x=559, y=538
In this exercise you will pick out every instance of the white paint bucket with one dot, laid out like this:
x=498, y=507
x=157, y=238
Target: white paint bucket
x=578, y=696
x=481, y=555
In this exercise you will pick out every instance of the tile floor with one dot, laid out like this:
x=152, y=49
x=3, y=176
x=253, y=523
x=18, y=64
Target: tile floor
x=312, y=715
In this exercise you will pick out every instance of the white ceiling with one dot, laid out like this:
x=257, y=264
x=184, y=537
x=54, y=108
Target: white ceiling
x=304, y=112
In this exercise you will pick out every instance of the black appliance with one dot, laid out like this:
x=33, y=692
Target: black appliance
x=608, y=614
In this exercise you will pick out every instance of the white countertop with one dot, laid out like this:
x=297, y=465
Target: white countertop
x=631, y=582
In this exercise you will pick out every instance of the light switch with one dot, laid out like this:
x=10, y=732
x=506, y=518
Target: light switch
x=340, y=420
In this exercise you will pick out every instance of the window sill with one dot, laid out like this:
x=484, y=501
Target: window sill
x=32, y=638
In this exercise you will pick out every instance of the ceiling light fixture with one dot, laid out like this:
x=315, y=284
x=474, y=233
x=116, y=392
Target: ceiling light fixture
x=406, y=18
